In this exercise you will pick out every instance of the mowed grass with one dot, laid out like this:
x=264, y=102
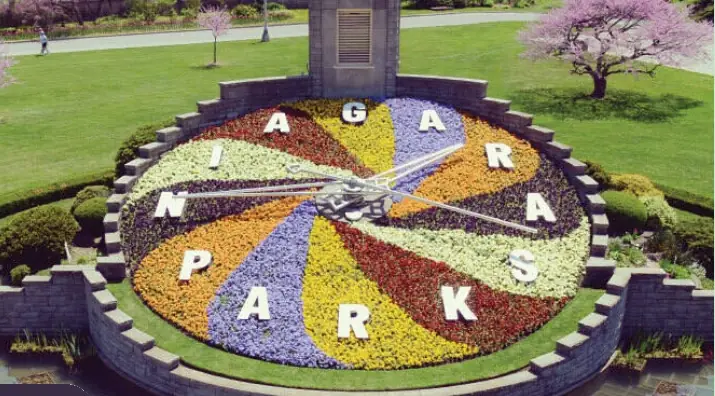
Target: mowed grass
x=69, y=112
x=204, y=357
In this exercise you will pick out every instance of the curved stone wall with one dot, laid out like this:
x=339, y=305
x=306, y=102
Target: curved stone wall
x=82, y=302
x=75, y=297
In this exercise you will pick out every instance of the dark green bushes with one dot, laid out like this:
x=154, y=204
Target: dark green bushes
x=88, y=193
x=37, y=237
x=90, y=215
x=598, y=174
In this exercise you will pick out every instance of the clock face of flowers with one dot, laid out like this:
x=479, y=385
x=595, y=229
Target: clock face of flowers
x=373, y=236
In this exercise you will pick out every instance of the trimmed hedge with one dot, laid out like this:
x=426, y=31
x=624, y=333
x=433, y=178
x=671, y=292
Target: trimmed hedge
x=90, y=215
x=687, y=201
x=37, y=237
x=625, y=212
x=52, y=193
x=129, y=149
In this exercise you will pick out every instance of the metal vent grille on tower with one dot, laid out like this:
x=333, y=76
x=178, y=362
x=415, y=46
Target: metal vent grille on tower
x=354, y=37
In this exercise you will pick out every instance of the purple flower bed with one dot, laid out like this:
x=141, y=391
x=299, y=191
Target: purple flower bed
x=283, y=338
x=410, y=143
x=142, y=233
x=507, y=204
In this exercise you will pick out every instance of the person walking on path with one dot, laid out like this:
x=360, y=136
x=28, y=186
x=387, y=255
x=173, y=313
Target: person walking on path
x=43, y=41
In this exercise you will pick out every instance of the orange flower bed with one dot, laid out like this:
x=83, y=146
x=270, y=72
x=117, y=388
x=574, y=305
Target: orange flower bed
x=466, y=173
x=229, y=240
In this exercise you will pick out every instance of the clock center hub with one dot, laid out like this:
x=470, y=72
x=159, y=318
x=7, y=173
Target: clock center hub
x=350, y=202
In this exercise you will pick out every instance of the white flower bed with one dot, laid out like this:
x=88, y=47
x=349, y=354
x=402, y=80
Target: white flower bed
x=240, y=161
x=560, y=261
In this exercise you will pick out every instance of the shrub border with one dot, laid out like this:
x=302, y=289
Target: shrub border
x=54, y=192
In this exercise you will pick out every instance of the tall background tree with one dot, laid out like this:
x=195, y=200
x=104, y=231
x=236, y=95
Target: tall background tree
x=40, y=13
x=216, y=19
x=604, y=37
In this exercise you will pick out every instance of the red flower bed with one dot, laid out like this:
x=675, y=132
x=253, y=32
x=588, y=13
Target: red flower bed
x=414, y=282
x=306, y=140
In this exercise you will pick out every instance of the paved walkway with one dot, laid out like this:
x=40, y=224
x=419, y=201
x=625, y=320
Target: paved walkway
x=279, y=31
x=251, y=33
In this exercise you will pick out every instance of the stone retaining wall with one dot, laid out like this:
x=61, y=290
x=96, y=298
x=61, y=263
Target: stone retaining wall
x=82, y=302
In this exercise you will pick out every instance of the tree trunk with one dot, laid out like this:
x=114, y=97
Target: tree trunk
x=599, y=87
x=215, y=50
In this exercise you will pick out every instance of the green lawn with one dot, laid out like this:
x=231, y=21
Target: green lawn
x=198, y=354
x=69, y=112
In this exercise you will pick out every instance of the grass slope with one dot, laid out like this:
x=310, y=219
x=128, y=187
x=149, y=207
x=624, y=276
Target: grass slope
x=201, y=356
x=69, y=112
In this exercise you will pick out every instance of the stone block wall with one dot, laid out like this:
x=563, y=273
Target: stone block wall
x=84, y=303
x=672, y=306
x=48, y=304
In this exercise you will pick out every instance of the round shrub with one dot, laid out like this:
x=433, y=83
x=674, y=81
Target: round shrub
x=19, y=272
x=90, y=215
x=88, y=193
x=129, y=149
x=638, y=185
x=660, y=214
x=625, y=212
x=598, y=174
x=245, y=11
x=37, y=237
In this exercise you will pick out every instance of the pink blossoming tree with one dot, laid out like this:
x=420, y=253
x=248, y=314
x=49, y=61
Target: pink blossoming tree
x=604, y=37
x=5, y=62
x=216, y=19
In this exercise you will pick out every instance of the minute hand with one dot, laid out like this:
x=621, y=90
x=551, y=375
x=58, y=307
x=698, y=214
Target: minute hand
x=426, y=201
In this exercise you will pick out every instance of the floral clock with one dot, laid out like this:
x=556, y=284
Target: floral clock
x=356, y=235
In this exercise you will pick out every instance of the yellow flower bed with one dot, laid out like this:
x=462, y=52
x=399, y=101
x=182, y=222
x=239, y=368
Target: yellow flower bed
x=332, y=277
x=372, y=143
x=467, y=173
x=229, y=240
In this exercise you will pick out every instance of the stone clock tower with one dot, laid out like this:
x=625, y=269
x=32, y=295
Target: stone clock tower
x=354, y=47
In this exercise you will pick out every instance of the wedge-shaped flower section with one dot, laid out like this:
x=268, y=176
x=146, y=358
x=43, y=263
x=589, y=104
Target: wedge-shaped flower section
x=507, y=204
x=278, y=265
x=333, y=277
x=410, y=143
x=240, y=161
x=466, y=173
x=142, y=233
x=230, y=240
x=373, y=142
x=414, y=282
x=306, y=139
x=560, y=261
